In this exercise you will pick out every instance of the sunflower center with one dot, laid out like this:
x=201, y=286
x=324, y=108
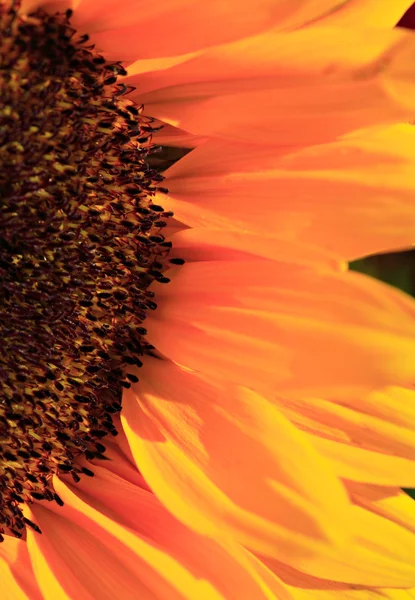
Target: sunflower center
x=80, y=243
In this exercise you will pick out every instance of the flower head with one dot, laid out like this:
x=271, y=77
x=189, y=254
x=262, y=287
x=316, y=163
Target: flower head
x=258, y=453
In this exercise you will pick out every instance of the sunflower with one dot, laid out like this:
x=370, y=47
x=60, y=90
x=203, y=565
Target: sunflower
x=266, y=390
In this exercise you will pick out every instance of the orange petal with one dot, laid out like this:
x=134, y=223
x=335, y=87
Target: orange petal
x=269, y=60
x=352, y=197
x=129, y=31
x=213, y=458
x=225, y=565
x=301, y=87
x=210, y=244
x=112, y=537
x=16, y=575
x=271, y=325
x=52, y=6
x=172, y=136
x=11, y=589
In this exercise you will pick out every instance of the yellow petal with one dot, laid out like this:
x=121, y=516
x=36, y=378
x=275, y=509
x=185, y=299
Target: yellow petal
x=368, y=13
x=301, y=586
x=10, y=587
x=347, y=433
x=367, y=466
x=118, y=539
x=379, y=555
x=226, y=463
x=390, y=503
x=131, y=506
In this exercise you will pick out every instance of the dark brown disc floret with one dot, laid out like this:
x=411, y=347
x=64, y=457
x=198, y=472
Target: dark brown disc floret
x=80, y=243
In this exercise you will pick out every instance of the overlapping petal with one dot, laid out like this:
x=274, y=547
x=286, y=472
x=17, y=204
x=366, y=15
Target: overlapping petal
x=17, y=579
x=362, y=446
x=114, y=537
x=371, y=13
x=302, y=87
x=210, y=452
x=392, y=503
x=194, y=245
x=381, y=555
x=352, y=197
x=174, y=26
x=293, y=323
x=309, y=587
x=270, y=324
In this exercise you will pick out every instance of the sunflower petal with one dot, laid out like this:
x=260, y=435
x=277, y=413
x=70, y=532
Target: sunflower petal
x=352, y=197
x=223, y=565
x=213, y=459
x=112, y=536
x=301, y=586
x=16, y=575
x=279, y=326
x=300, y=87
x=11, y=590
x=380, y=555
x=211, y=244
x=331, y=422
x=367, y=466
x=178, y=138
x=171, y=27
x=370, y=13
x=390, y=503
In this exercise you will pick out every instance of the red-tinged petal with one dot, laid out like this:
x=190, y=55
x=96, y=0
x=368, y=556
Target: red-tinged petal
x=172, y=27
x=10, y=588
x=172, y=136
x=52, y=6
x=132, y=30
x=270, y=60
x=85, y=551
x=129, y=505
x=352, y=197
x=301, y=115
x=120, y=464
x=282, y=104
x=279, y=326
x=211, y=244
x=213, y=458
x=16, y=576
